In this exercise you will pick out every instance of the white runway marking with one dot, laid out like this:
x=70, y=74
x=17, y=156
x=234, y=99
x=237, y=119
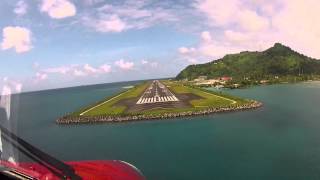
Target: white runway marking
x=159, y=99
x=157, y=92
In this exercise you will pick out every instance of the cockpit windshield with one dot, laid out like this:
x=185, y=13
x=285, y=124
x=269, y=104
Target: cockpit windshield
x=160, y=89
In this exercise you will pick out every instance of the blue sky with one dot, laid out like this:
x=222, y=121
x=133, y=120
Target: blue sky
x=59, y=43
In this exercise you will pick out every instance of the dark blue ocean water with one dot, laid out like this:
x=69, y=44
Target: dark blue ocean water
x=281, y=140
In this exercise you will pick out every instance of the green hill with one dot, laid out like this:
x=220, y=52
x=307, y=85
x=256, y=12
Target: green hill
x=278, y=60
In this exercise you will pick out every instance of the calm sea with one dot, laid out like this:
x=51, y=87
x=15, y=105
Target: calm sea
x=279, y=141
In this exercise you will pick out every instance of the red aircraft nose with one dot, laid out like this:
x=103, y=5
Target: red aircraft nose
x=106, y=170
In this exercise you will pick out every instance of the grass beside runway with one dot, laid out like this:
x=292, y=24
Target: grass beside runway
x=108, y=106
x=123, y=108
x=208, y=99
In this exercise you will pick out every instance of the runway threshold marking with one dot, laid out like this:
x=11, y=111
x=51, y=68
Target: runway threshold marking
x=157, y=98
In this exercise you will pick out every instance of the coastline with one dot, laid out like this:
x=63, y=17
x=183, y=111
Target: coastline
x=263, y=84
x=68, y=119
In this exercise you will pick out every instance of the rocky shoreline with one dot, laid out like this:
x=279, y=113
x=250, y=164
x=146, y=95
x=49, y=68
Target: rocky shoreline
x=68, y=119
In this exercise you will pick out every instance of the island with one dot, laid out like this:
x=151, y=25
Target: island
x=278, y=64
x=156, y=99
x=187, y=95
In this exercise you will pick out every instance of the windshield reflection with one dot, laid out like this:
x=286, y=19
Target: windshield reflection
x=16, y=154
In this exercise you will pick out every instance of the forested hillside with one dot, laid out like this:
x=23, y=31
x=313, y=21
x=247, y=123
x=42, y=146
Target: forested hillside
x=278, y=60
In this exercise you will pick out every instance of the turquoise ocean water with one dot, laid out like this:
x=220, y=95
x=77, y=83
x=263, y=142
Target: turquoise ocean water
x=281, y=140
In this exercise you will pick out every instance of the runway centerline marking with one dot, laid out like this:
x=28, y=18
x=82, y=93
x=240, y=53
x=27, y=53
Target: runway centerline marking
x=155, y=93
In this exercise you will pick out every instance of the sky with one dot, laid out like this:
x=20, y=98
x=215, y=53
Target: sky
x=47, y=44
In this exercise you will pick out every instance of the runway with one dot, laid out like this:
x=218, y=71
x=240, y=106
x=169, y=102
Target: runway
x=157, y=93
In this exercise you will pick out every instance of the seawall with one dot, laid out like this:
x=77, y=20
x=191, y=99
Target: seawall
x=128, y=118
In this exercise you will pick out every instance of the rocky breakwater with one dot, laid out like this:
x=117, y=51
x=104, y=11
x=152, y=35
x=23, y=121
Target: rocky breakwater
x=68, y=119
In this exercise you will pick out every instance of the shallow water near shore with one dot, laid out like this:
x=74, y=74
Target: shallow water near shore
x=278, y=141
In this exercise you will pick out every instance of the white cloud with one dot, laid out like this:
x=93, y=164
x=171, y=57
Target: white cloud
x=206, y=36
x=125, y=65
x=10, y=86
x=233, y=13
x=89, y=69
x=108, y=24
x=235, y=36
x=298, y=26
x=250, y=21
x=59, y=70
x=126, y=11
x=58, y=9
x=185, y=50
x=219, y=13
x=77, y=72
x=127, y=15
x=144, y=62
x=74, y=70
x=255, y=25
x=192, y=60
x=105, y=68
x=21, y=8
x=18, y=38
x=206, y=49
x=151, y=64
x=216, y=50
x=41, y=76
